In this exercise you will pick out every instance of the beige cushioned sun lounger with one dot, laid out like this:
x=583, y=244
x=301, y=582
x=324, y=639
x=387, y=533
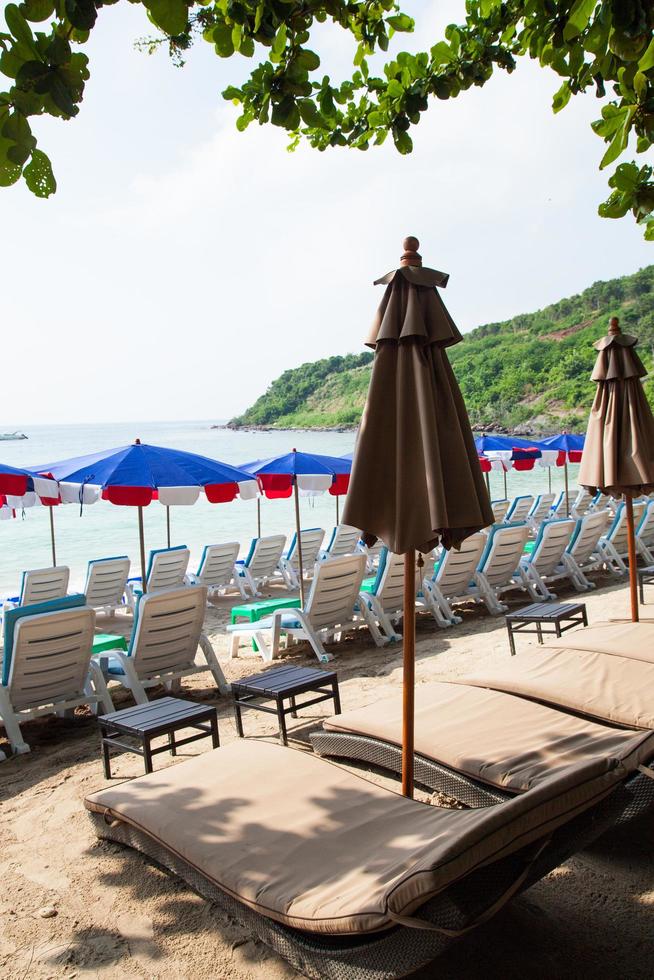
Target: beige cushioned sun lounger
x=310, y=845
x=599, y=685
x=635, y=641
x=490, y=736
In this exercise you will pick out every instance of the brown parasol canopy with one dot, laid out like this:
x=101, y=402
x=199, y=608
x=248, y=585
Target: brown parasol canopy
x=618, y=454
x=416, y=480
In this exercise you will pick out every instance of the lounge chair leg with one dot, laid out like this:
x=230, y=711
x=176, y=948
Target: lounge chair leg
x=132, y=680
x=96, y=677
x=12, y=726
x=212, y=663
x=233, y=647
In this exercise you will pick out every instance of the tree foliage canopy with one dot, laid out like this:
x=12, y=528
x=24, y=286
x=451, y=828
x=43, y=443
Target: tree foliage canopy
x=606, y=46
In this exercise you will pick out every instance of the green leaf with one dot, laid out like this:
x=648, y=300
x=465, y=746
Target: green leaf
x=9, y=174
x=401, y=22
x=310, y=114
x=286, y=114
x=626, y=177
x=61, y=95
x=20, y=28
x=58, y=51
x=403, y=142
x=222, y=37
x=38, y=175
x=578, y=18
x=395, y=89
x=441, y=54
x=487, y=7
x=81, y=13
x=279, y=43
x=37, y=10
x=561, y=98
x=647, y=60
x=308, y=60
x=170, y=15
x=33, y=77
x=620, y=140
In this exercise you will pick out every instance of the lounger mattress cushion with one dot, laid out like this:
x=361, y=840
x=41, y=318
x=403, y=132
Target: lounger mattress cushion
x=316, y=847
x=598, y=685
x=635, y=641
x=496, y=738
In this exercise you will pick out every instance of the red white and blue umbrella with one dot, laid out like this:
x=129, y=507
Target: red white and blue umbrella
x=20, y=488
x=291, y=473
x=135, y=475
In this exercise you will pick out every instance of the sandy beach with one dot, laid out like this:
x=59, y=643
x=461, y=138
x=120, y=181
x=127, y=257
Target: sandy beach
x=71, y=906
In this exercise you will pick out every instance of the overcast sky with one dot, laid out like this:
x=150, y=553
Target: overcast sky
x=182, y=266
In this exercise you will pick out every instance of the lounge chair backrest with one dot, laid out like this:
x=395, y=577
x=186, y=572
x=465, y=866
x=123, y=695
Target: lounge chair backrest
x=541, y=508
x=335, y=590
x=617, y=533
x=601, y=501
x=311, y=539
x=216, y=566
x=388, y=586
x=560, y=508
x=372, y=552
x=499, y=508
x=264, y=554
x=645, y=531
x=502, y=553
x=167, y=567
x=167, y=627
x=588, y=531
x=582, y=503
x=106, y=580
x=552, y=540
x=44, y=584
x=519, y=509
x=50, y=657
x=343, y=541
x=12, y=617
x=454, y=570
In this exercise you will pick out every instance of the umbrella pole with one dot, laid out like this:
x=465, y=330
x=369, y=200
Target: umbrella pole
x=258, y=516
x=549, y=479
x=299, y=541
x=633, y=568
x=565, y=474
x=337, y=515
x=408, y=671
x=52, y=537
x=168, y=525
x=487, y=475
x=506, y=496
x=144, y=584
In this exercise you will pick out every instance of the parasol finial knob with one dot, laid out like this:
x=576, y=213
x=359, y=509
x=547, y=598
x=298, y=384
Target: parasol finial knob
x=137, y=442
x=411, y=256
x=614, y=326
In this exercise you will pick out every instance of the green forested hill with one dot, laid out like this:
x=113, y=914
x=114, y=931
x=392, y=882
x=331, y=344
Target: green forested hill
x=531, y=371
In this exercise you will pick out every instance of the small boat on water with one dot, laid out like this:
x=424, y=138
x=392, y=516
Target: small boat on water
x=8, y=436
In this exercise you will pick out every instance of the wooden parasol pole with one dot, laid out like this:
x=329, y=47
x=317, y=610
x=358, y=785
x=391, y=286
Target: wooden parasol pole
x=506, y=496
x=549, y=479
x=144, y=583
x=258, y=516
x=299, y=539
x=168, y=525
x=409, y=671
x=337, y=515
x=565, y=475
x=633, y=567
x=52, y=537
x=487, y=475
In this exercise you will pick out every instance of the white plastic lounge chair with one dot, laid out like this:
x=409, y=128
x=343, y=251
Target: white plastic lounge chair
x=382, y=605
x=342, y=876
x=166, y=569
x=329, y=610
x=166, y=636
x=645, y=534
x=499, y=508
x=550, y=544
x=261, y=562
x=372, y=553
x=40, y=585
x=217, y=570
x=343, y=541
x=519, y=509
x=106, y=583
x=613, y=546
x=498, y=563
x=581, y=555
x=602, y=501
x=452, y=578
x=311, y=539
x=47, y=666
x=564, y=503
x=582, y=503
x=540, y=511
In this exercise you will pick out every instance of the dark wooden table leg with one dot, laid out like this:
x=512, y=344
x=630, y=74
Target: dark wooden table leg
x=336, y=696
x=539, y=632
x=147, y=754
x=293, y=712
x=238, y=719
x=584, y=616
x=106, y=764
x=171, y=740
x=509, y=627
x=641, y=588
x=282, y=721
x=214, y=731
x=557, y=628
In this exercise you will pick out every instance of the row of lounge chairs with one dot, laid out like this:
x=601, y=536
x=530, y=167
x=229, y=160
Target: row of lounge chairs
x=345, y=878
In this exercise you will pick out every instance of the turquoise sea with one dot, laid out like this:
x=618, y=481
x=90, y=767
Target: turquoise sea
x=103, y=529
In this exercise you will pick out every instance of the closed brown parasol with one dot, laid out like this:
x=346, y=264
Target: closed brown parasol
x=619, y=450
x=416, y=480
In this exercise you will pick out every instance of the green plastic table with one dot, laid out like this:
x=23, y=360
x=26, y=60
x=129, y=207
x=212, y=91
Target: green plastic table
x=368, y=583
x=105, y=641
x=254, y=611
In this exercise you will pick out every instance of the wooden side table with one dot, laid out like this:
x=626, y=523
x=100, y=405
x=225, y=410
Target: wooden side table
x=284, y=684
x=645, y=577
x=146, y=722
x=542, y=615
